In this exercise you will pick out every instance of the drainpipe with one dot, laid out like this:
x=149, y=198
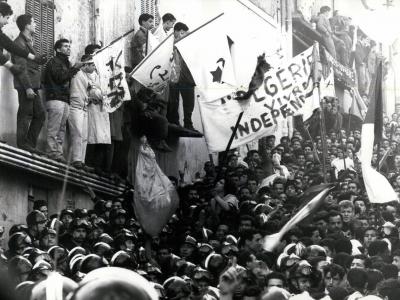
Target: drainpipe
x=288, y=27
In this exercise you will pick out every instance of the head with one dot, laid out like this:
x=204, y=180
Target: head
x=275, y=279
x=88, y=64
x=168, y=21
x=346, y=210
x=358, y=261
x=335, y=221
x=370, y=235
x=180, y=30
x=63, y=46
x=5, y=13
x=26, y=23
x=333, y=276
x=146, y=21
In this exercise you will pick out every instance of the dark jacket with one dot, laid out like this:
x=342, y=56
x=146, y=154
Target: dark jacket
x=139, y=42
x=30, y=77
x=57, y=77
x=10, y=46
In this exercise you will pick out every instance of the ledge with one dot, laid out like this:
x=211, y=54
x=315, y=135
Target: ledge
x=43, y=166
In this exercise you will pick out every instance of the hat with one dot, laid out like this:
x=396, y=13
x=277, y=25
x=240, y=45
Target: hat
x=388, y=225
x=35, y=217
x=48, y=231
x=190, y=241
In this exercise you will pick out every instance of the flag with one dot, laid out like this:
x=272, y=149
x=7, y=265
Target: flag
x=152, y=42
x=110, y=65
x=155, y=197
x=317, y=194
x=378, y=187
x=154, y=70
x=285, y=91
x=206, y=53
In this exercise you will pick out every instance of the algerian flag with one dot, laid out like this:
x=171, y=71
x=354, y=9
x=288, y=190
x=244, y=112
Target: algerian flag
x=378, y=187
x=155, y=69
x=206, y=53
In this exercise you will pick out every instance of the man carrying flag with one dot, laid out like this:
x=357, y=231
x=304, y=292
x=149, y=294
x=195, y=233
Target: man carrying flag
x=378, y=187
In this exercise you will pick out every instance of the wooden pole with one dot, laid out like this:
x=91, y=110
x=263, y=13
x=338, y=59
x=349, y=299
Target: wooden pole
x=228, y=146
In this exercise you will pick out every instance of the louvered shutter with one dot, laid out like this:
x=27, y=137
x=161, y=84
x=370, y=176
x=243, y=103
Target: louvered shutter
x=149, y=6
x=43, y=13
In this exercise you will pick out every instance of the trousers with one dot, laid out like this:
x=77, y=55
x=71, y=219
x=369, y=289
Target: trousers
x=57, y=116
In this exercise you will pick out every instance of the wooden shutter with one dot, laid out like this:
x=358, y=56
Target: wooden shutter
x=150, y=7
x=43, y=13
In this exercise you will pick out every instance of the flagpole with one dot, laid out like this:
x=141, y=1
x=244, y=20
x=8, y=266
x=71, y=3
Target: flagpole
x=316, y=82
x=313, y=144
x=114, y=41
x=228, y=146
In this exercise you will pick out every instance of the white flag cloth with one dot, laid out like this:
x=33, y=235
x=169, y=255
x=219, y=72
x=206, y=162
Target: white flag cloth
x=287, y=90
x=110, y=64
x=271, y=241
x=152, y=42
x=155, y=197
x=377, y=186
x=207, y=55
x=154, y=70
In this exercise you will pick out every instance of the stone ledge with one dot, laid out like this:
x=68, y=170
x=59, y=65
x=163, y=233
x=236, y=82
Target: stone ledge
x=43, y=166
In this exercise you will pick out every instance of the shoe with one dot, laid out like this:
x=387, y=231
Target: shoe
x=77, y=165
x=27, y=148
x=86, y=168
x=61, y=159
x=163, y=146
x=190, y=127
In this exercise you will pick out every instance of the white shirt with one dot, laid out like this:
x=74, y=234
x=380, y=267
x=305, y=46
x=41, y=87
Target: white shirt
x=160, y=33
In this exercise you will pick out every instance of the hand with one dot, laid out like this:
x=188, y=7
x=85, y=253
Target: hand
x=16, y=69
x=41, y=60
x=30, y=93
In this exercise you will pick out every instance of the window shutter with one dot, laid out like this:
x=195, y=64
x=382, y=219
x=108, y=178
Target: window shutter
x=43, y=14
x=150, y=7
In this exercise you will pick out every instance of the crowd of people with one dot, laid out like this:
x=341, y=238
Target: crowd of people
x=348, y=45
x=213, y=246
x=99, y=141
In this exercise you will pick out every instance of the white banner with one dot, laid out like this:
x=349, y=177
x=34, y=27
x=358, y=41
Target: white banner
x=207, y=55
x=155, y=69
x=287, y=91
x=110, y=64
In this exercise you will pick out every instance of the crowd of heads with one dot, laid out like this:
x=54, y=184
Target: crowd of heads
x=216, y=236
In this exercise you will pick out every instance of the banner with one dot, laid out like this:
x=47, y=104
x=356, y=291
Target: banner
x=110, y=64
x=154, y=70
x=342, y=73
x=287, y=90
x=207, y=55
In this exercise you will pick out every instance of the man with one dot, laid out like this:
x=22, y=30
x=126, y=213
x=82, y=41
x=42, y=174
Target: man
x=78, y=116
x=333, y=276
x=346, y=208
x=274, y=279
x=78, y=234
x=182, y=84
x=358, y=261
x=10, y=46
x=335, y=222
x=358, y=280
x=31, y=115
x=57, y=78
x=389, y=289
x=396, y=259
x=139, y=41
x=163, y=30
x=36, y=222
x=251, y=240
x=41, y=205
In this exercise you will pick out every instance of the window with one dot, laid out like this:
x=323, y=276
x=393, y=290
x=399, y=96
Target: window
x=150, y=7
x=43, y=14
